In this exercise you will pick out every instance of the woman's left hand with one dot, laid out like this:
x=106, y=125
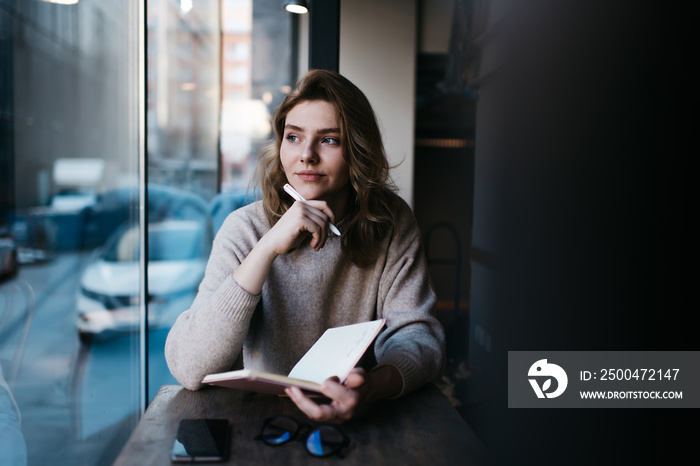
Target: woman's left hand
x=359, y=388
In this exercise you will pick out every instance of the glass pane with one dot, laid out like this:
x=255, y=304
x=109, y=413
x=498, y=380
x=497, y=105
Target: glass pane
x=257, y=50
x=69, y=161
x=216, y=71
x=183, y=136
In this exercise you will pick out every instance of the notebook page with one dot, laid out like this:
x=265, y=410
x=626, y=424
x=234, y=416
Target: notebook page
x=336, y=352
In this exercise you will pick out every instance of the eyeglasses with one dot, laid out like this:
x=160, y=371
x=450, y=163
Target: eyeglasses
x=322, y=440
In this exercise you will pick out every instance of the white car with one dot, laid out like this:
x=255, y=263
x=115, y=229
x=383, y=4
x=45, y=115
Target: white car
x=108, y=299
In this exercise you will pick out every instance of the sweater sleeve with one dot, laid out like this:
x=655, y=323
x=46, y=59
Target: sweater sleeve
x=208, y=337
x=414, y=340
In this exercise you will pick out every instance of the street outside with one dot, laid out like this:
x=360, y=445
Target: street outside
x=78, y=403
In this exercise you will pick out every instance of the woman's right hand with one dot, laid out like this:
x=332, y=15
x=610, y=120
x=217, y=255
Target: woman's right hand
x=303, y=218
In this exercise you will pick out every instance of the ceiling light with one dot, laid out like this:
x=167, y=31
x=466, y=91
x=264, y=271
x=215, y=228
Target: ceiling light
x=62, y=2
x=296, y=6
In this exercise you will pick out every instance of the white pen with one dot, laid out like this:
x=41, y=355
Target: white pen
x=293, y=192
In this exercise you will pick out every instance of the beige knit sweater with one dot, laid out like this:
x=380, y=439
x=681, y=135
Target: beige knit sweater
x=306, y=293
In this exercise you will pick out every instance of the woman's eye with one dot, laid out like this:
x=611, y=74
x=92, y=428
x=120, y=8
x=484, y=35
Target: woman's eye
x=333, y=141
x=292, y=138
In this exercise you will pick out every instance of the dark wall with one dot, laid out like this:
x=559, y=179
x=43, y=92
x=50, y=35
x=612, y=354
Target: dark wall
x=579, y=210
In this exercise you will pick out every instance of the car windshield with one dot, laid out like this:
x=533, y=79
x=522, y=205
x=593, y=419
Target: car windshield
x=167, y=241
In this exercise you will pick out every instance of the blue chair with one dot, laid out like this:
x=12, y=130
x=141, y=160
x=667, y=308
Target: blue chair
x=224, y=203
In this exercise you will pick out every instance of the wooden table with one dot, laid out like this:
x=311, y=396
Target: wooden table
x=421, y=428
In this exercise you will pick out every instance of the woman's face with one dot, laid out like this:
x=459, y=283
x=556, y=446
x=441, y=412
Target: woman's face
x=312, y=155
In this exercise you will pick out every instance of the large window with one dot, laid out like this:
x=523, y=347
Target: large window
x=82, y=197
x=216, y=70
x=69, y=152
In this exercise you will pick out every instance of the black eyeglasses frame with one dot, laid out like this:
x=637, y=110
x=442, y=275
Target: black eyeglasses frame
x=297, y=435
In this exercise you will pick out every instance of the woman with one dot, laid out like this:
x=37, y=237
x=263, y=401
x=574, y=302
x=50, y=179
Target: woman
x=278, y=278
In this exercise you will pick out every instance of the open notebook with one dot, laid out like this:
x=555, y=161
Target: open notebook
x=336, y=353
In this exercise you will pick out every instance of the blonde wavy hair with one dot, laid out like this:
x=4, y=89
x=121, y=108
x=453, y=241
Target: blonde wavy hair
x=371, y=213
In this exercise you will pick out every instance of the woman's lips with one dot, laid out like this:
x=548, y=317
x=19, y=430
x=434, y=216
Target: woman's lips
x=309, y=176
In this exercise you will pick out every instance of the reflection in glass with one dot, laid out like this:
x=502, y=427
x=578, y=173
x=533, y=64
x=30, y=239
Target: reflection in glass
x=69, y=95
x=108, y=302
x=216, y=71
x=69, y=194
x=183, y=94
x=183, y=103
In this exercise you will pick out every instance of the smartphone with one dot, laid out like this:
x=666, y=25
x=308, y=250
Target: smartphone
x=201, y=440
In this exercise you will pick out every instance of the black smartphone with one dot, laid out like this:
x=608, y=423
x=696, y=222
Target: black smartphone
x=201, y=441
